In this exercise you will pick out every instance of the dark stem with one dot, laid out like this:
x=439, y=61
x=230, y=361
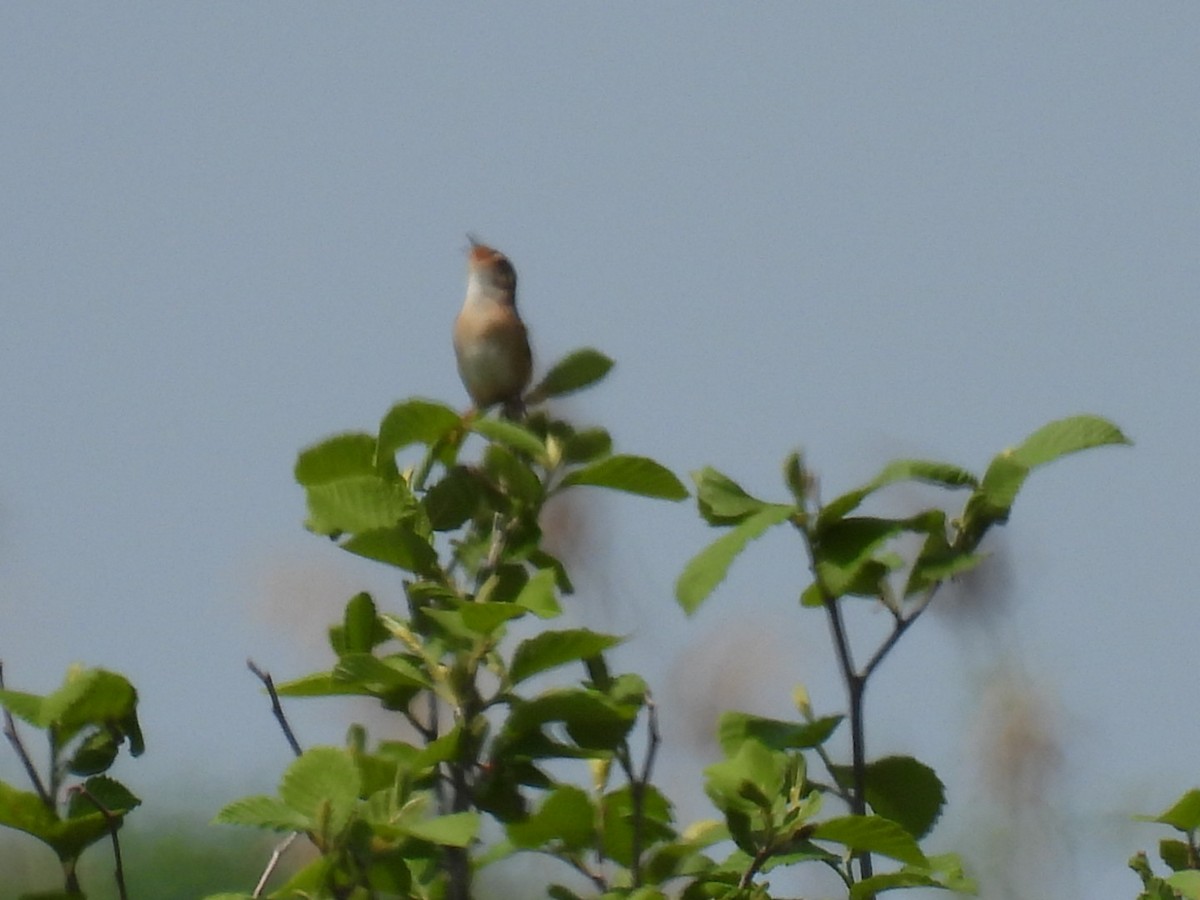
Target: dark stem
x=113, y=822
x=276, y=707
x=856, y=684
x=638, y=783
x=581, y=867
x=902, y=625
x=760, y=858
x=457, y=859
x=71, y=877
x=10, y=732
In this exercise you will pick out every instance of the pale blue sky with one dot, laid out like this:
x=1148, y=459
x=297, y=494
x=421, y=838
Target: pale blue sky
x=231, y=229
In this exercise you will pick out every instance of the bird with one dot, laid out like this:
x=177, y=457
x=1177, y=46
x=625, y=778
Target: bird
x=491, y=344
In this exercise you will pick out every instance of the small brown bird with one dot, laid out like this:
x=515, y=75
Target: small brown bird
x=490, y=342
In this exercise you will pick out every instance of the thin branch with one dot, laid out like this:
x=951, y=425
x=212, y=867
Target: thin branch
x=655, y=737
x=841, y=641
x=855, y=684
x=577, y=863
x=760, y=859
x=833, y=788
x=901, y=626
x=113, y=822
x=10, y=732
x=637, y=788
x=276, y=707
x=273, y=862
x=426, y=734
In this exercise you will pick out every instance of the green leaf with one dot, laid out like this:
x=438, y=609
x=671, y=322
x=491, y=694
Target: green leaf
x=1187, y=883
x=734, y=728
x=513, y=473
x=555, y=648
x=906, y=791
x=992, y=501
x=1183, y=815
x=620, y=823
x=263, y=812
x=452, y=830
x=342, y=456
x=593, y=720
x=24, y=811
x=1176, y=854
x=68, y=838
x=721, y=500
x=94, y=698
x=453, y=499
x=485, y=618
x=415, y=421
x=320, y=684
x=115, y=797
x=846, y=554
x=566, y=818
x=357, y=503
x=574, y=372
x=323, y=785
x=1064, y=436
x=708, y=568
x=1002, y=481
x=538, y=595
x=95, y=754
x=943, y=474
x=749, y=779
x=632, y=474
x=587, y=445
x=871, y=834
x=938, y=561
x=400, y=546
x=877, y=884
x=361, y=629
x=510, y=434
x=90, y=697
x=391, y=678
x=25, y=706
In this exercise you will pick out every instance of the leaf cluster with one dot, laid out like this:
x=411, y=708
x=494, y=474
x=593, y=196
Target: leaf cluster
x=73, y=803
x=402, y=817
x=853, y=555
x=1181, y=855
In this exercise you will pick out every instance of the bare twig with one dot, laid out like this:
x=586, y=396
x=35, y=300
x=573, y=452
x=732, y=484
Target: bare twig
x=273, y=862
x=10, y=732
x=901, y=626
x=276, y=707
x=581, y=867
x=281, y=718
x=114, y=822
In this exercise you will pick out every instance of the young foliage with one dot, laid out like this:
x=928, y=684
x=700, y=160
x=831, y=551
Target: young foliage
x=454, y=504
x=769, y=805
x=86, y=722
x=464, y=530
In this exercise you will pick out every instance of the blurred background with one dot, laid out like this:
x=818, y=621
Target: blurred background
x=229, y=230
